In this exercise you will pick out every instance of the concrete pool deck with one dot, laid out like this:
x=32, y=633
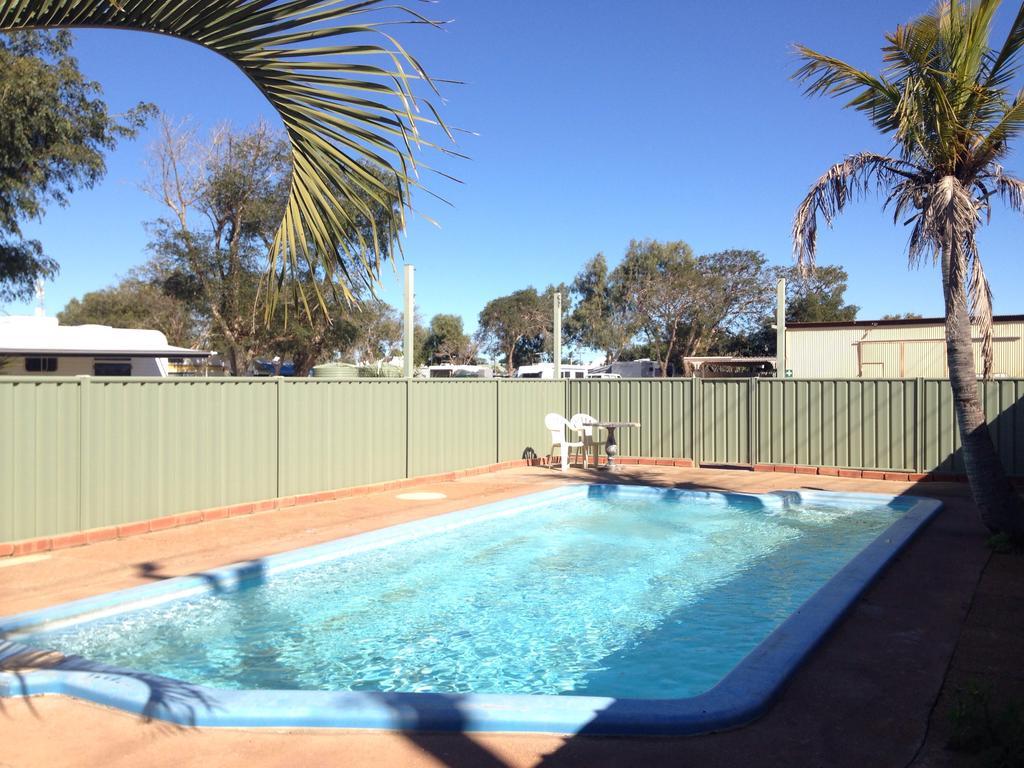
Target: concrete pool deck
x=866, y=697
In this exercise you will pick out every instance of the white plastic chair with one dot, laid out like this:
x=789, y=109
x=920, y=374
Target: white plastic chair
x=584, y=424
x=557, y=424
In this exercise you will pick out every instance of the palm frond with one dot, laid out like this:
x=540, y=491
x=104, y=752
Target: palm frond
x=831, y=193
x=1009, y=125
x=828, y=76
x=1002, y=67
x=980, y=296
x=949, y=216
x=347, y=93
x=1010, y=189
x=911, y=48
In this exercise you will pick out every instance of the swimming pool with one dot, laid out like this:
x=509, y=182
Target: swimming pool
x=606, y=608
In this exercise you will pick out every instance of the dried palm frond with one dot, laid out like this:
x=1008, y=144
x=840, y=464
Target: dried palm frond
x=831, y=193
x=980, y=295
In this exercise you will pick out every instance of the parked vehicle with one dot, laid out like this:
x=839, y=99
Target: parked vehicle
x=450, y=371
x=644, y=368
x=547, y=371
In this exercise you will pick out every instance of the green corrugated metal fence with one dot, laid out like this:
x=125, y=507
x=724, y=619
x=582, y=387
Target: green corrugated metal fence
x=40, y=458
x=726, y=421
x=868, y=424
x=332, y=434
x=452, y=425
x=662, y=406
x=521, y=411
x=80, y=453
x=84, y=453
x=152, y=448
x=886, y=424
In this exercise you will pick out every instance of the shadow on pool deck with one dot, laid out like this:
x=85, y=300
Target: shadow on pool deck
x=863, y=698
x=164, y=695
x=250, y=572
x=454, y=748
x=425, y=715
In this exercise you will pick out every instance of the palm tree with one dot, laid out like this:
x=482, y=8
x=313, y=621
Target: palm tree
x=349, y=95
x=943, y=97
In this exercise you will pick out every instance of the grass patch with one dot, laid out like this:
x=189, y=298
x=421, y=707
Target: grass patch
x=995, y=735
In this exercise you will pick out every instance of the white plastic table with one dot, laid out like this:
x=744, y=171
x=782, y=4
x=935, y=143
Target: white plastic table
x=611, y=448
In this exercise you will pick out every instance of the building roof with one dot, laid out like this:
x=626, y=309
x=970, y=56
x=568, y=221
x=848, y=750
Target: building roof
x=891, y=323
x=34, y=335
x=730, y=359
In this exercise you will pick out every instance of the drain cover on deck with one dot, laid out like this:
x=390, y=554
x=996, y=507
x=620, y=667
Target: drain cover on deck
x=421, y=496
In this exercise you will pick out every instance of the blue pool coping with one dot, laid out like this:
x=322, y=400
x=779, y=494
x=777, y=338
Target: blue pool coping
x=741, y=696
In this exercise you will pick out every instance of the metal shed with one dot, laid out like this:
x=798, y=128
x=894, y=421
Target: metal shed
x=893, y=349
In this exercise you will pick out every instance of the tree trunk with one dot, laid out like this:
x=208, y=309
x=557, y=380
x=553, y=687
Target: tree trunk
x=668, y=351
x=995, y=497
x=235, y=362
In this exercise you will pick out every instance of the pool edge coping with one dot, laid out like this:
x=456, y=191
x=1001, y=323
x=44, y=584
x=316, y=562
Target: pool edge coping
x=744, y=694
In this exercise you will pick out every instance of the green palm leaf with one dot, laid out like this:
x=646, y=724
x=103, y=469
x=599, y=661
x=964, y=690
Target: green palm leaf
x=347, y=92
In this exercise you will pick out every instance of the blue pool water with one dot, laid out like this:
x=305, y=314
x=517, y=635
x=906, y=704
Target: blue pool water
x=612, y=592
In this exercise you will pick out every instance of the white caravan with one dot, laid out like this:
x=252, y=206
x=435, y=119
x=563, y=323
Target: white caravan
x=40, y=346
x=547, y=371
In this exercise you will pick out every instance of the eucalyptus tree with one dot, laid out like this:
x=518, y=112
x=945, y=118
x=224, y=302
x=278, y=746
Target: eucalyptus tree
x=136, y=303
x=818, y=296
x=599, y=319
x=447, y=342
x=513, y=327
x=944, y=98
x=54, y=132
x=657, y=282
x=683, y=305
x=223, y=197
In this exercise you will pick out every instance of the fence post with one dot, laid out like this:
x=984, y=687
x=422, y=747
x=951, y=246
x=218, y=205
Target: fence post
x=280, y=437
x=697, y=421
x=84, y=412
x=919, y=425
x=752, y=433
x=497, y=421
x=408, y=427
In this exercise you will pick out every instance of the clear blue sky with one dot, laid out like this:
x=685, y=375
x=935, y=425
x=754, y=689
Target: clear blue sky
x=598, y=122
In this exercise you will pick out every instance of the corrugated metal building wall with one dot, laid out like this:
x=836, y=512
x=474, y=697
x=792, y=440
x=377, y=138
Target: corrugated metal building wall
x=888, y=349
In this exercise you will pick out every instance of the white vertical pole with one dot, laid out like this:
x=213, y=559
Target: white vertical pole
x=780, y=329
x=557, y=352
x=408, y=350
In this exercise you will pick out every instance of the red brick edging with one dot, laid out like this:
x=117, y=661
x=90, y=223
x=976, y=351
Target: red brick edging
x=111, y=532
x=866, y=474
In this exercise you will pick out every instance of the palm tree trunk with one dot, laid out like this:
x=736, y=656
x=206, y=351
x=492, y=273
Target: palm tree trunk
x=997, y=502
